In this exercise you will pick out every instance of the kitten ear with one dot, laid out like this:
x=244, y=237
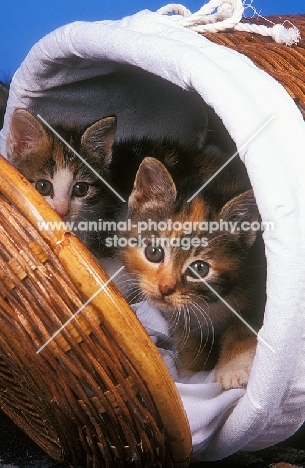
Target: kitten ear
x=240, y=209
x=97, y=140
x=153, y=188
x=26, y=134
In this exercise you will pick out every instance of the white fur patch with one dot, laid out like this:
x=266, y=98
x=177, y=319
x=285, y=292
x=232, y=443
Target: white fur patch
x=236, y=373
x=62, y=186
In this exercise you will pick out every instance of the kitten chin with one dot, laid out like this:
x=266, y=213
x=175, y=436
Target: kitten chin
x=194, y=287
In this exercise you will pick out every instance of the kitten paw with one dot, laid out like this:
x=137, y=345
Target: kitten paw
x=235, y=373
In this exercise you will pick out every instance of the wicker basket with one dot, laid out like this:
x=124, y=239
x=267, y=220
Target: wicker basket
x=99, y=393
x=285, y=64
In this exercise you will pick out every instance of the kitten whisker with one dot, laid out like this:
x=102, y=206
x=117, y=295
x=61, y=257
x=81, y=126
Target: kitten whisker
x=199, y=298
x=186, y=328
x=130, y=289
x=207, y=319
x=174, y=319
x=180, y=315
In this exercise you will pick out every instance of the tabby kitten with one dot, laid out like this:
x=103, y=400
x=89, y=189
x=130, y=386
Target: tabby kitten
x=60, y=176
x=187, y=285
x=66, y=183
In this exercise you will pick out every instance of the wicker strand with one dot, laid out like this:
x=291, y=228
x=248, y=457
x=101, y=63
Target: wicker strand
x=222, y=15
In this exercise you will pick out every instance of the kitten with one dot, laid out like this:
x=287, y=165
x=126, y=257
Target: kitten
x=176, y=280
x=55, y=171
x=60, y=176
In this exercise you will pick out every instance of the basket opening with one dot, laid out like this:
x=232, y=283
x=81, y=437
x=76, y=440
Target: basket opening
x=263, y=416
x=144, y=104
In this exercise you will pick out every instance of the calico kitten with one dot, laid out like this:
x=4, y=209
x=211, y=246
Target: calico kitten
x=186, y=284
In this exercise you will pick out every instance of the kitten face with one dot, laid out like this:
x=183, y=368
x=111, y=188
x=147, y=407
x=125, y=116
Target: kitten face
x=67, y=184
x=173, y=267
x=172, y=263
x=185, y=273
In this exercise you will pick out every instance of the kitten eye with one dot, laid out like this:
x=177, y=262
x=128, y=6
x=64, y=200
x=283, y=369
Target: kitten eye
x=80, y=189
x=198, y=269
x=154, y=254
x=44, y=187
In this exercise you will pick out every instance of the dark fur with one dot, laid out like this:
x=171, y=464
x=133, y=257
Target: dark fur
x=204, y=330
x=40, y=155
x=189, y=167
x=166, y=174
x=4, y=90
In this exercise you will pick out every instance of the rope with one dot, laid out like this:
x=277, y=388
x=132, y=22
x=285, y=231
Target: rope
x=221, y=15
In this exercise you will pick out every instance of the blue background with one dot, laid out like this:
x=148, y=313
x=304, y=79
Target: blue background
x=23, y=22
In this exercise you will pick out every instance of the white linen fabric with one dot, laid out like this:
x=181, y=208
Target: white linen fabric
x=58, y=70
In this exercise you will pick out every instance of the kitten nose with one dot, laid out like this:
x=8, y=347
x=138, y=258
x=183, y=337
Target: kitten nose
x=62, y=208
x=166, y=289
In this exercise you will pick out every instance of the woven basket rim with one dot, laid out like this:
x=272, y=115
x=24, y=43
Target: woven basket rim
x=284, y=63
x=121, y=321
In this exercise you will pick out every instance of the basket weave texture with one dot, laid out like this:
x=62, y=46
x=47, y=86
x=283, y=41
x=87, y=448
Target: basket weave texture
x=285, y=64
x=98, y=394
